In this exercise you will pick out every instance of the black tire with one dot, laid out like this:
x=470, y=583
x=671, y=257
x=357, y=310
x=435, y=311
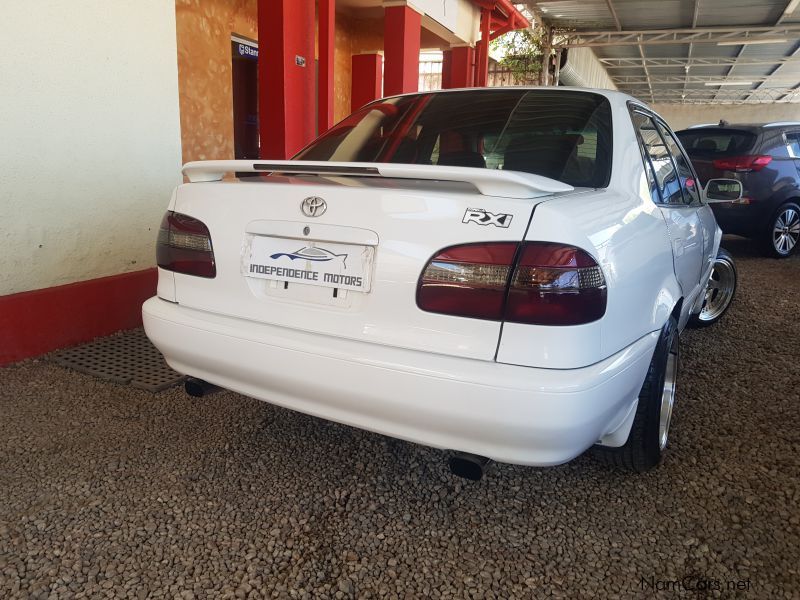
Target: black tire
x=786, y=216
x=643, y=449
x=718, y=299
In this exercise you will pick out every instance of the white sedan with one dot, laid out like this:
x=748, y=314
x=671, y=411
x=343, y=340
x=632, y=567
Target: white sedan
x=503, y=273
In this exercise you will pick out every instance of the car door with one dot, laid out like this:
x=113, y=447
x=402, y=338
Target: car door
x=694, y=197
x=675, y=190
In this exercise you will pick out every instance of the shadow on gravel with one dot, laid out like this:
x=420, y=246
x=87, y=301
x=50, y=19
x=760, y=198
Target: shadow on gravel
x=742, y=247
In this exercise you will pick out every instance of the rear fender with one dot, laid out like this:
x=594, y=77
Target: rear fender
x=628, y=238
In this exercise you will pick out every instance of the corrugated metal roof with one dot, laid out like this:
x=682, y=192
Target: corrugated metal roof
x=680, y=67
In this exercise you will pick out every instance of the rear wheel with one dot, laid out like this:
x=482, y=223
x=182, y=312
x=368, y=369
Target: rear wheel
x=783, y=232
x=650, y=430
x=719, y=292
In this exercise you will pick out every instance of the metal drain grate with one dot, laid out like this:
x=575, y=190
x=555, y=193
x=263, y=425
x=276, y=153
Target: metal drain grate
x=128, y=358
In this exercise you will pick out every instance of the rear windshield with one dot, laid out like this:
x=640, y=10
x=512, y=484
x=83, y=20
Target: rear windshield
x=558, y=134
x=716, y=142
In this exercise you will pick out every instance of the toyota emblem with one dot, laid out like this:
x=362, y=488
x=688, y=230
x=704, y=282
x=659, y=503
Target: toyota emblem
x=314, y=206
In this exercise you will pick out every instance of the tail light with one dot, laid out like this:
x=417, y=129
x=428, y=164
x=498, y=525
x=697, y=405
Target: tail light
x=742, y=164
x=539, y=283
x=184, y=246
x=556, y=284
x=468, y=281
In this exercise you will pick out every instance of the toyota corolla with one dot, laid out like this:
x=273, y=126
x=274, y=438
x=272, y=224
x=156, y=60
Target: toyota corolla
x=503, y=273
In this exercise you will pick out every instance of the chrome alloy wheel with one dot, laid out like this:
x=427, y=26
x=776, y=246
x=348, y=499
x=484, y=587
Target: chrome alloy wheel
x=786, y=231
x=668, y=394
x=720, y=289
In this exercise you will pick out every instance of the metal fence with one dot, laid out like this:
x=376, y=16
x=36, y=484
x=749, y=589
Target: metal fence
x=498, y=77
x=430, y=76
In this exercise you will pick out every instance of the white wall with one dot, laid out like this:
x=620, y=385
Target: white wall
x=457, y=21
x=680, y=116
x=90, y=137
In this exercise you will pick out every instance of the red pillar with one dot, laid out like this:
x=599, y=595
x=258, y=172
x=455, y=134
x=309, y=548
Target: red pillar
x=447, y=69
x=461, y=68
x=367, y=79
x=327, y=32
x=285, y=76
x=401, y=33
x=482, y=67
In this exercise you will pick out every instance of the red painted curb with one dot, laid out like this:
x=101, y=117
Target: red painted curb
x=35, y=322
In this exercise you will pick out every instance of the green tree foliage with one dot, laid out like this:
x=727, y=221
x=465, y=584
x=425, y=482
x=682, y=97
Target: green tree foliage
x=522, y=53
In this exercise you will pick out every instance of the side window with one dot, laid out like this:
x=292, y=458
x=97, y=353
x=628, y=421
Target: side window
x=685, y=174
x=793, y=139
x=667, y=183
x=638, y=120
x=777, y=146
x=435, y=153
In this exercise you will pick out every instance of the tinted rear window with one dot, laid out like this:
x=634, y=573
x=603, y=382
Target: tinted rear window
x=562, y=135
x=716, y=142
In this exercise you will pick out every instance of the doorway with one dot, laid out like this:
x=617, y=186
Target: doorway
x=244, y=58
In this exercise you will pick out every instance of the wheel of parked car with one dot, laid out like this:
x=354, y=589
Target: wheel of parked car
x=650, y=430
x=783, y=232
x=719, y=293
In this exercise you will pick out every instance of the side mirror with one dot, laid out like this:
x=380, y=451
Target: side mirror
x=723, y=190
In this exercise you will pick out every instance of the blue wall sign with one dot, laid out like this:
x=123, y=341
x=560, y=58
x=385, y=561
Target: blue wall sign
x=244, y=50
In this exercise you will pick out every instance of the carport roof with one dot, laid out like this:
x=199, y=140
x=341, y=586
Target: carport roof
x=687, y=51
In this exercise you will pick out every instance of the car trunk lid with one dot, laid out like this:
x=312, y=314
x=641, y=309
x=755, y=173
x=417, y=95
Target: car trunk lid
x=352, y=269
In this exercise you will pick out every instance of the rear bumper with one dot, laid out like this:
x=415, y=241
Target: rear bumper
x=508, y=413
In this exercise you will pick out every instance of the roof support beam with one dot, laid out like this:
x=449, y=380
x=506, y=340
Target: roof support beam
x=618, y=24
x=654, y=63
x=774, y=72
x=716, y=79
x=771, y=85
x=733, y=66
x=772, y=94
x=707, y=35
x=647, y=74
x=791, y=6
x=613, y=12
x=641, y=50
x=791, y=95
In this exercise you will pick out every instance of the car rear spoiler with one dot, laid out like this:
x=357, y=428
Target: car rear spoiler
x=489, y=182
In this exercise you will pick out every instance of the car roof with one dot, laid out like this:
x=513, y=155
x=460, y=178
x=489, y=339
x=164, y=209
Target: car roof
x=745, y=126
x=615, y=98
x=613, y=95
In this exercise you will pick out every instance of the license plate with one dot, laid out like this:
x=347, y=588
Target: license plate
x=343, y=266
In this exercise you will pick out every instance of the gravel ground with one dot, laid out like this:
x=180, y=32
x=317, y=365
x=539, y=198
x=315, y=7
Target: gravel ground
x=108, y=491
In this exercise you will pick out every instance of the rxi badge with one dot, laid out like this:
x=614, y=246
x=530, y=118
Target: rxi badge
x=484, y=217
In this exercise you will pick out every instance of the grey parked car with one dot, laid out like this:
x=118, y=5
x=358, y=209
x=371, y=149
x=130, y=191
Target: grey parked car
x=766, y=159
